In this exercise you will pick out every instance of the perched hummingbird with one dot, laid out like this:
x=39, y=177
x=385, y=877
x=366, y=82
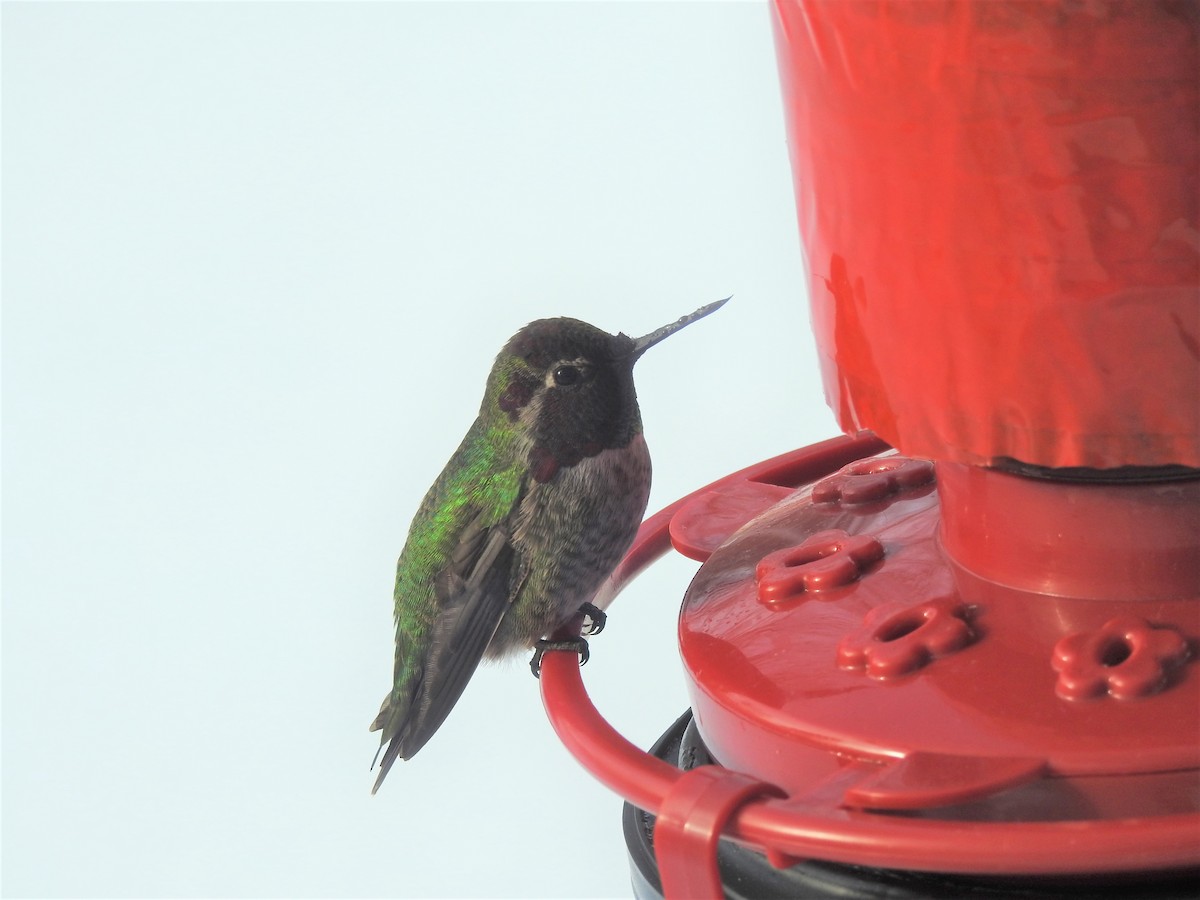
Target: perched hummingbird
x=534, y=510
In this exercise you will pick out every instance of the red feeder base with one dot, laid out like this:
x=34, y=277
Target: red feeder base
x=904, y=692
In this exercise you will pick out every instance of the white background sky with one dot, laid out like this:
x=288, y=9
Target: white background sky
x=257, y=261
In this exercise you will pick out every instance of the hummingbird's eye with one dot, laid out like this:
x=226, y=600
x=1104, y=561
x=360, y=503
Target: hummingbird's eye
x=568, y=375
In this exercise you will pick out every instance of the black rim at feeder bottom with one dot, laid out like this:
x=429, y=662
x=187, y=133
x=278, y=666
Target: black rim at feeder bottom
x=746, y=874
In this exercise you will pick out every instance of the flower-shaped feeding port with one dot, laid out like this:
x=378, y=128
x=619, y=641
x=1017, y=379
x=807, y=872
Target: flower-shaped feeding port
x=868, y=480
x=825, y=560
x=896, y=639
x=1126, y=658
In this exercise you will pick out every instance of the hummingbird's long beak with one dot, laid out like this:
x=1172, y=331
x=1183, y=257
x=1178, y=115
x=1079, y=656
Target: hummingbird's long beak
x=646, y=341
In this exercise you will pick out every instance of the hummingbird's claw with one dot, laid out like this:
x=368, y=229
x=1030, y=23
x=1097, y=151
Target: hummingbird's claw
x=578, y=644
x=598, y=618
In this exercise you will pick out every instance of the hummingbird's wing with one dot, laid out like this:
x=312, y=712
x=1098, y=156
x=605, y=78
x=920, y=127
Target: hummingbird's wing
x=470, y=614
x=473, y=594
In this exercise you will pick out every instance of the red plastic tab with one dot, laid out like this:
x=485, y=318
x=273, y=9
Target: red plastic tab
x=922, y=780
x=690, y=821
x=707, y=520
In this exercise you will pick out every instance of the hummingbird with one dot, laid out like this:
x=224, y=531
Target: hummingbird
x=534, y=510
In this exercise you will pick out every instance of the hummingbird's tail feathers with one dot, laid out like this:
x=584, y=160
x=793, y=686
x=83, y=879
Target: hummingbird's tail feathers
x=395, y=715
x=393, y=720
x=389, y=758
x=385, y=711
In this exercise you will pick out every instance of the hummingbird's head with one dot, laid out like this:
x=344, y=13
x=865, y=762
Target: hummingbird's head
x=568, y=387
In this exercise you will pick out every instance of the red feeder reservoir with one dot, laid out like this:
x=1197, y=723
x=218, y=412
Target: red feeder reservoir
x=955, y=654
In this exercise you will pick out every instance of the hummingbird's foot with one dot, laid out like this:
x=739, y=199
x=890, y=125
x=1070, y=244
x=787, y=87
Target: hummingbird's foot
x=597, y=618
x=579, y=645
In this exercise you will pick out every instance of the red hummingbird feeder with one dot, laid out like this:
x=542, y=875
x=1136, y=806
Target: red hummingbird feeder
x=955, y=655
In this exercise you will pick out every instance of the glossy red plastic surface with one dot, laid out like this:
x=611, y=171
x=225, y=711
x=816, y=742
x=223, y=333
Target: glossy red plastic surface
x=967, y=761
x=1000, y=206
x=690, y=822
x=1134, y=543
x=916, y=654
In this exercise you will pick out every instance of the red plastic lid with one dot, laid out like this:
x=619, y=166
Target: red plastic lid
x=836, y=629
